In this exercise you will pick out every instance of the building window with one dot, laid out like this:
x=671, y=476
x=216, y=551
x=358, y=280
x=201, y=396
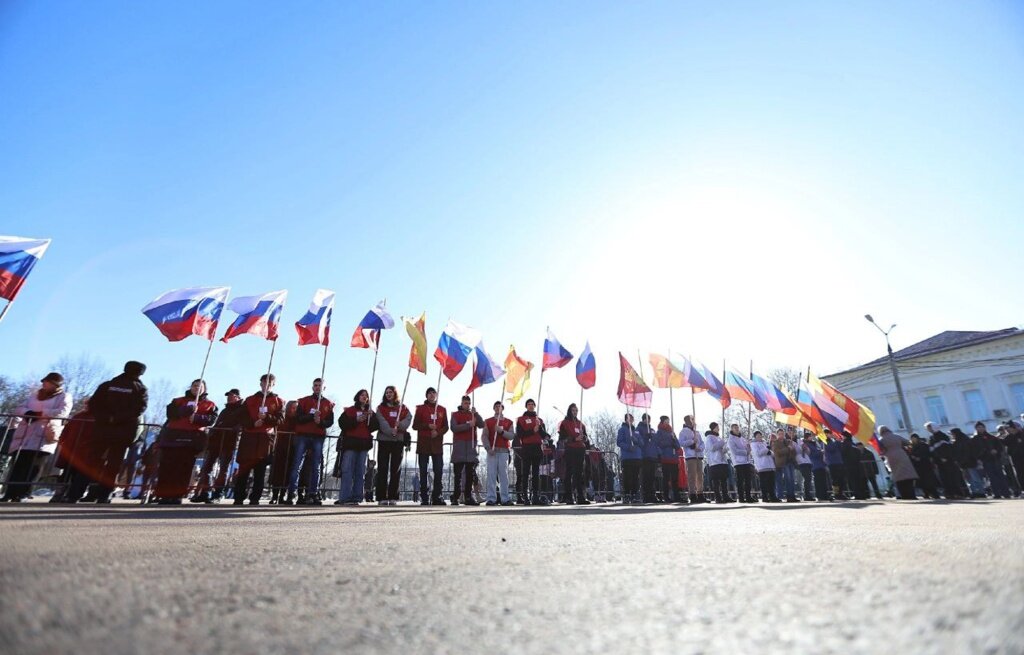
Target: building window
x=1017, y=391
x=937, y=409
x=897, y=414
x=977, y=408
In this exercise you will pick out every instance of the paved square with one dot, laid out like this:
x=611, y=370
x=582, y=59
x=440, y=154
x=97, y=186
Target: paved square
x=879, y=577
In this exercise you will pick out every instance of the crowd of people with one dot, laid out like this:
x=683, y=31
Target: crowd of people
x=205, y=453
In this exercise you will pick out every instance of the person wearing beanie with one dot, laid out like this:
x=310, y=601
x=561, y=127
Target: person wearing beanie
x=117, y=406
x=220, y=449
x=431, y=424
x=35, y=437
x=718, y=466
x=693, y=453
x=181, y=440
x=764, y=462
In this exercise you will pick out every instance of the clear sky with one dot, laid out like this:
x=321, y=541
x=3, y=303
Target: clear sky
x=731, y=180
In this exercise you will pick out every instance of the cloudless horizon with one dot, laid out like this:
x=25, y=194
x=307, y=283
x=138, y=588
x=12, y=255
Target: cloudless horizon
x=726, y=180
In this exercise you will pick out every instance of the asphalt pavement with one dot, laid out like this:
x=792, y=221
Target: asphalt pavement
x=869, y=577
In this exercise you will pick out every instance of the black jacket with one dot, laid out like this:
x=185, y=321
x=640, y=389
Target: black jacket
x=119, y=404
x=232, y=417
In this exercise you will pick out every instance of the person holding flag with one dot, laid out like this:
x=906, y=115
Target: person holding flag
x=740, y=450
x=264, y=412
x=393, y=420
x=530, y=434
x=651, y=458
x=181, y=440
x=465, y=422
x=573, y=434
x=693, y=453
x=431, y=424
x=496, y=438
x=764, y=462
x=357, y=423
x=313, y=415
x=718, y=465
x=631, y=455
x=668, y=449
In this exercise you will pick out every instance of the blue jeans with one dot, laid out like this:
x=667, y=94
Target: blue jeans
x=312, y=445
x=784, y=481
x=353, y=470
x=974, y=480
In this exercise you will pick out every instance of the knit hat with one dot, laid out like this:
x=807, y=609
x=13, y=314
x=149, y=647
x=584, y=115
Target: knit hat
x=54, y=377
x=135, y=369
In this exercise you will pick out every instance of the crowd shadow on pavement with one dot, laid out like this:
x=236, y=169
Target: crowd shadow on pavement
x=46, y=512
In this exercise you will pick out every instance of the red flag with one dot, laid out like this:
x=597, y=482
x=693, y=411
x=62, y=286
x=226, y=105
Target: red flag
x=632, y=390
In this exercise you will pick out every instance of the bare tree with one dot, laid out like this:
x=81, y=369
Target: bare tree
x=161, y=392
x=82, y=374
x=603, y=429
x=14, y=393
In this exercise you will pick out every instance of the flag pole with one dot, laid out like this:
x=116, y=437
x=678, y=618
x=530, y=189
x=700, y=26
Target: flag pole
x=693, y=396
x=273, y=347
x=750, y=405
x=6, y=307
x=671, y=400
x=540, y=385
x=640, y=361
x=722, y=429
x=206, y=359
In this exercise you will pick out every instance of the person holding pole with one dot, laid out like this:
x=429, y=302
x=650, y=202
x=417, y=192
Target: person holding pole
x=181, y=440
x=357, y=425
x=497, y=439
x=431, y=424
x=220, y=448
x=313, y=415
x=764, y=462
x=281, y=458
x=574, y=435
x=740, y=450
x=718, y=466
x=265, y=411
x=393, y=420
x=693, y=452
x=668, y=447
x=530, y=433
x=631, y=455
x=465, y=422
x=651, y=458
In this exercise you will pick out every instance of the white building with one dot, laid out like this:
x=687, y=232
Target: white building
x=953, y=379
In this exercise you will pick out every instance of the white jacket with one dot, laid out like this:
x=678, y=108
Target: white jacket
x=763, y=460
x=801, y=453
x=716, y=450
x=40, y=435
x=692, y=443
x=740, y=449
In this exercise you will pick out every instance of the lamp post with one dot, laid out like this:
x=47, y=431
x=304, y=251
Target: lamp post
x=895, y=372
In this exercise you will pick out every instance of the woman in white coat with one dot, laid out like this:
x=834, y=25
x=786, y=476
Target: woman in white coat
x=35, y=437
x=765, y=465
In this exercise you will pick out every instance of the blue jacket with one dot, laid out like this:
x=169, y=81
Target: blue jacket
x=629, y=442
x=647, y=439
x=816, y=455
x=668, y=446
x=834, y=453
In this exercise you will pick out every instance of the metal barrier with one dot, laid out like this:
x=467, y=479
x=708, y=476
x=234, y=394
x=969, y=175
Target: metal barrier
x=133, y=465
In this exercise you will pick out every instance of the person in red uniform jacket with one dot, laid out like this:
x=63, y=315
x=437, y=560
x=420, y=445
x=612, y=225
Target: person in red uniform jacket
x=530, y=435
x=573, y=434
x=264, y=412
x=431, y=424
x=357, y=423
x=181, y=440
x=465, y=422
x=281, y=458
x=393, y=420
x=73, y=443
x=314, y=414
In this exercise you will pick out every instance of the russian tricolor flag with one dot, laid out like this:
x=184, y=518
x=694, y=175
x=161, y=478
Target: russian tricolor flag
x=774, y=398
x=586, y=369
x=715, y=386
x=555, y=356
x=258, y=315
x=183, y=312
x=315, y=325
x=17, y=257
x=367, y=333
x=453, y=348
x=741, y=388
x=692, y=376
x=486, y=370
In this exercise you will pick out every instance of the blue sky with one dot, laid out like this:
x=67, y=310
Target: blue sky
x=730, y=180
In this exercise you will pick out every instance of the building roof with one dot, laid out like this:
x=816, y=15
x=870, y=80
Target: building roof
x=948, y=340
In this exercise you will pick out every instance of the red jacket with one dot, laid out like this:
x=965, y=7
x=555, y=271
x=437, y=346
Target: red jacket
x=304, y=416
x=460, y=418
x=428, y=416
x=528, y=429
x=357, y=434
x=257, y=442
x=180, y=416
x=497, y=441
x=573, y=431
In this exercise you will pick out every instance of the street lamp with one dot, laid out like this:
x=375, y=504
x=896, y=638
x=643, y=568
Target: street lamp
x=895, y=373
